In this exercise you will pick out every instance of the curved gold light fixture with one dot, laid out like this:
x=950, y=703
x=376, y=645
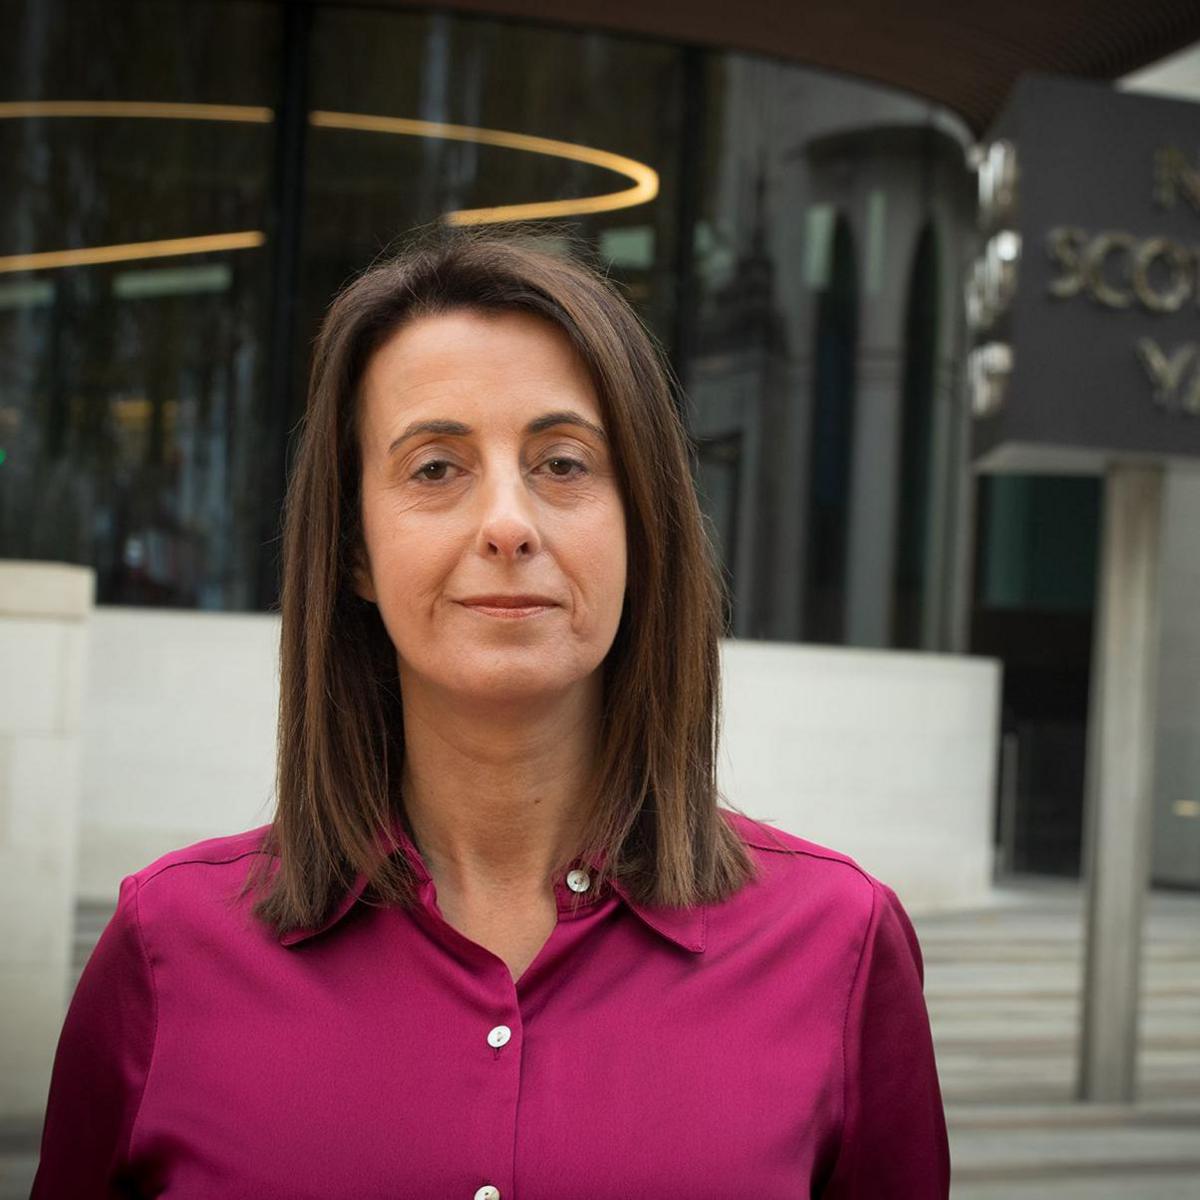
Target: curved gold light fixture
x=126, y=251
x=90, y=256
x=252, y=114
x=645, y=178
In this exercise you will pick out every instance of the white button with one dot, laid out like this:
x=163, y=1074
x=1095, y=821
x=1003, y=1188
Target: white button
x=578, y=881
x=487, y=1192
x=497, y=1038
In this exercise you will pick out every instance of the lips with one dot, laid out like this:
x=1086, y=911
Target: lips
x=501, y=601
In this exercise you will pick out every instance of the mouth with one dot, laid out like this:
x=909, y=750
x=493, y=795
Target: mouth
x=509, y=608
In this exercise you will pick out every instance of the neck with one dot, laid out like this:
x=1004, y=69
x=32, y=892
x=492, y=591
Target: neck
x=497, y=795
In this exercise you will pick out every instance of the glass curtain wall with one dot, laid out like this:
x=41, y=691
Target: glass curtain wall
x=134, y=219
x=1035, y=587
x=486, y=122
x=148, y=394
x=813, y=193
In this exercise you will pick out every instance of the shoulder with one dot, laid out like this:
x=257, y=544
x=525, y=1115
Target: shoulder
x=202, y=857
x=182, y=900
x=825, y=895
x=196, y=874
x=810, y=859
x=810, y=872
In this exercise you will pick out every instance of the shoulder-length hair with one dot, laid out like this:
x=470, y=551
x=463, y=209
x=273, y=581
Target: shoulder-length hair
x=654, y=819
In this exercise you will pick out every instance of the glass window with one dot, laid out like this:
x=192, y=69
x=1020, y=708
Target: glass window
x=446, y=115
x=191, y=183
x=811, y=193
x=1039, y=542
x=133, y=234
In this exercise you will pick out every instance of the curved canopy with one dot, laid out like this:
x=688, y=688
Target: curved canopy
x=964, y=54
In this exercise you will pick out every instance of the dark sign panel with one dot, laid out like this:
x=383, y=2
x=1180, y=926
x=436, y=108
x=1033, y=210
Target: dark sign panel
x=1086, y=300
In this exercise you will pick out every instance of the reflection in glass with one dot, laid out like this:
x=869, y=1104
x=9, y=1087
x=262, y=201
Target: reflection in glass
x=147, y=399
x=812, y=194
x=129, y=400
x=366, y=190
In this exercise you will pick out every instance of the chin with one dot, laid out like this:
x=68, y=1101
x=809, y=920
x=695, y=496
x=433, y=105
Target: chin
x=514, y=681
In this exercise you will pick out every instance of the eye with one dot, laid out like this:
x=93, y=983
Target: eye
x=562, y=467
x=433, y=471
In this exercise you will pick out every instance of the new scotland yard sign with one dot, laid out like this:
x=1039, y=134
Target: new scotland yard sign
x=1103, y=316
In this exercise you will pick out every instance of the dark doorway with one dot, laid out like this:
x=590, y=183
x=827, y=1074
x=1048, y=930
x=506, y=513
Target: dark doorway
x=1034, y=595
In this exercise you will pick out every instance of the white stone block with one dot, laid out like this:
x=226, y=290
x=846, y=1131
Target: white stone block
x=43, y=638
x=33, y=655
x=179, y=735
x=33, y=1003
x=46, y=589
x=44, y=773
x=888, y=757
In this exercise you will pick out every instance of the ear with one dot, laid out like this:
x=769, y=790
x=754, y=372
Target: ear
x=360, y=577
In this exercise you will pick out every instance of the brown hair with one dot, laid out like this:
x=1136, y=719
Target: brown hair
x=654, y=818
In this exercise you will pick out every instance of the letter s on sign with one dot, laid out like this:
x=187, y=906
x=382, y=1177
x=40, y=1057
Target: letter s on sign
x=1065, y=245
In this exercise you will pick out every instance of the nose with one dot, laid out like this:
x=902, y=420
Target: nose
x=507, y=526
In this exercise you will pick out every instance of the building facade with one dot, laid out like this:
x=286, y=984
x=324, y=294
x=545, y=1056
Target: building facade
x=230, y=165
x=190, y=181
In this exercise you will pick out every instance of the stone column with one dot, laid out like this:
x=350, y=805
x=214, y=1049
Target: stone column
x=873, y=495
x=44, y=610
x=1120, y=780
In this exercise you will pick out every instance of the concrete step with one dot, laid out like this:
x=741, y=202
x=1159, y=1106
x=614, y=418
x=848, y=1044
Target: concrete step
x=1003, y=988
x=1064, y=1150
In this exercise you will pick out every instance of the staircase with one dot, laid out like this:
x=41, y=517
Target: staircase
x=1003, y=990
x=90, y=920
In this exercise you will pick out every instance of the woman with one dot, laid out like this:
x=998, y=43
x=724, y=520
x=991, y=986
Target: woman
x=503, y=942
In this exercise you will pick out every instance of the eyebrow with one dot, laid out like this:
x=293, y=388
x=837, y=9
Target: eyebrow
x=458, y=429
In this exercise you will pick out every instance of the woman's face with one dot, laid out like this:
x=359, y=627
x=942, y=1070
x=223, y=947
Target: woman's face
x=492, y=519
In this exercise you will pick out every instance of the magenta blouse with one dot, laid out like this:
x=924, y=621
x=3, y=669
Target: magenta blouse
x=770, y=1047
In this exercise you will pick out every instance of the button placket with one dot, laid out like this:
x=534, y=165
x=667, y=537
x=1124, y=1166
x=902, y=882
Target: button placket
x=575, y=892
x=498, y=1037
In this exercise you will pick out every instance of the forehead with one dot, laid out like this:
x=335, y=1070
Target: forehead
x=497, y=364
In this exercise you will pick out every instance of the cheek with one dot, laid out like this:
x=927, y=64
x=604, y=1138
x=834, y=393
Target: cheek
x=603, y=555
x=410, y=562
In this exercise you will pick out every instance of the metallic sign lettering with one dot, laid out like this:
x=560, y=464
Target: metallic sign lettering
x=1174, y=389
x=1174, y=174
x=1116, y=269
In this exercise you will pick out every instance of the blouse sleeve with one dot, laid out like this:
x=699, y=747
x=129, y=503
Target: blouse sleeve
x=894, y=1144
x=100, y=1066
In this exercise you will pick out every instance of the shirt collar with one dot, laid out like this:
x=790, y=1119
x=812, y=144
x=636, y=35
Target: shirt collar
x=686, y=927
